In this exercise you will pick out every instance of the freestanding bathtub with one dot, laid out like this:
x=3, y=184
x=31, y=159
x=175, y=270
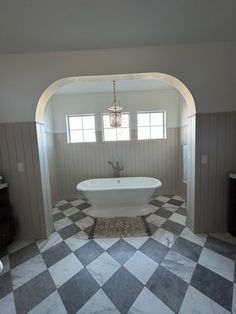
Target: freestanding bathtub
x=119, y=196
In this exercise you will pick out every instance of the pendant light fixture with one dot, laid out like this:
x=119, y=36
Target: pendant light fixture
x=115, y=111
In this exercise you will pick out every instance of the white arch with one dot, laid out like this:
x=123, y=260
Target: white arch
x=180, y=86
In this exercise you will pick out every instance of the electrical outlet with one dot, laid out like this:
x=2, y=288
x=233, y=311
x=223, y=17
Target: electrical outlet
x=20, y=166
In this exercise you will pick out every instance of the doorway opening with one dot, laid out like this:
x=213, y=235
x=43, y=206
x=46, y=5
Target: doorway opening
x=70, y=156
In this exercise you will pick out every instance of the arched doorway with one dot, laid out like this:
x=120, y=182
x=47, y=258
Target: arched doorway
x=174, y=82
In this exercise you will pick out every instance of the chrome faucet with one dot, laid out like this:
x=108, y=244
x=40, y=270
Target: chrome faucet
x=116, y=168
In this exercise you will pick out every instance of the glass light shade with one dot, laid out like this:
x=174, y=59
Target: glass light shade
x=115, y=115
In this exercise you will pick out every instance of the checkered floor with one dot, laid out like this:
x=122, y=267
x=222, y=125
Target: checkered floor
x=173, y=271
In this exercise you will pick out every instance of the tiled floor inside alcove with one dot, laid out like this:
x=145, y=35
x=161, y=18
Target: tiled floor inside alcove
x=173, y=271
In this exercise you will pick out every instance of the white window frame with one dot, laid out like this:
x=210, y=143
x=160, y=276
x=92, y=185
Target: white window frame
x=150, y=126
x=103, y=128
x=68, y=129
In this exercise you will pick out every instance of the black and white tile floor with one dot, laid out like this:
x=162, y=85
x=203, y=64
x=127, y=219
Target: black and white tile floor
x=173, y=271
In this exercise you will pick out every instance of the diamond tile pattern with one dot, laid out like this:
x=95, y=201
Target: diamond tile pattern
x=170, y=272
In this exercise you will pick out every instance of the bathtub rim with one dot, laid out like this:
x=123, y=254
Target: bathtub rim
x=157, y=185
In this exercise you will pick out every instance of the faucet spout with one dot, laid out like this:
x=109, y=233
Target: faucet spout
x=116, y=168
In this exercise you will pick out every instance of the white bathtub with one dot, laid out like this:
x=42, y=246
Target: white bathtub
x=119, y=196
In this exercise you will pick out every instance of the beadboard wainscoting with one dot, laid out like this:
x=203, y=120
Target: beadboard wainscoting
x=81, y=161
x=18, y=144
x=216, y=139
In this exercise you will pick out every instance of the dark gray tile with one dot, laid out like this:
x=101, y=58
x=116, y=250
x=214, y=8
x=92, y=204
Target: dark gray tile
x=163, y=213
x=83, y=206
x=187, y=248
x=156, y=203
x=69, y=231
x=88, y=252
x=78, y=290
x=121, y=251
x=214, y=286
x=65, y=206
x=33, y=292
x=58, y=216
x=77, y=216
x=56, y=253
x=173, y=227
x=175, y=202
x=5, y=284
x=123, y=288
x=154, y=249
x=23, y=255
x=153, y=228
x=168, y=287
x=88, y=231
x=221, y=247
x=181, y=211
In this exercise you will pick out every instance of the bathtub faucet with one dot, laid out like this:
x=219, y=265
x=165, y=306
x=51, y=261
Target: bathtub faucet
x=116, y=168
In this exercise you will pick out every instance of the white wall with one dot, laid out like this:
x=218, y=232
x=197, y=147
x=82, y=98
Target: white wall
x=98, y=103
x=208, y=70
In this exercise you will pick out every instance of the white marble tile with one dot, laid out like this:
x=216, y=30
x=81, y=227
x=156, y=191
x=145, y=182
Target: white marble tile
x=84, y=223
x=178, y=198
x=148, y=303
x=180, y=219
x=234, y=300
x=141, y=266
x=162, y=198
x=77, y=202
x=165, y=237
x=63, y=202
x=103, y=267
x=17, y=245
x=197, y=303
x=6, y=265
x=136, y=242
x=179, y=265
x=27, y=270
x=51, y=305
x=7, y=305
x=224, y=236
x=105, y=243
x=70, y=211
x=55, y=210
x=218, y=263
x=62, y=223
x=199, y=239
x=156, y=220
x=65, y=269
x=77, y=240
x=52, y=240
x=172, y=208
x=152, y=208
x=99, y=304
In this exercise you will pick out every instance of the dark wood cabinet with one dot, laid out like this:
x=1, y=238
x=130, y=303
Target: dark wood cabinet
x=7, y=224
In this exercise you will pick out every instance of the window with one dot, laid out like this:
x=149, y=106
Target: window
x=116, y=134
x=151, y=125
x=81, y=128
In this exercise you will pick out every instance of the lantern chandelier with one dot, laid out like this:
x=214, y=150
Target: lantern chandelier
x=115, y=111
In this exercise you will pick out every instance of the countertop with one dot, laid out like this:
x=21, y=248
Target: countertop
x=3, y=185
